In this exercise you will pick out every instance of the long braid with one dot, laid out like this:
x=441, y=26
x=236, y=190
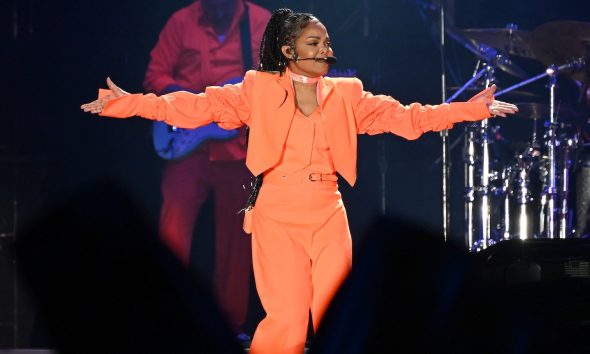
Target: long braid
x=282, y=29
x=270, y=56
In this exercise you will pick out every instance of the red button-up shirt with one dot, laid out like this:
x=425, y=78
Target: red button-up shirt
x=190, y=54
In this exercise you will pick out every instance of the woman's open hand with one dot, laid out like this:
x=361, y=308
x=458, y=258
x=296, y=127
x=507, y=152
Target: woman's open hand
x=97, y=106
x=495, y=107
x=500, y=108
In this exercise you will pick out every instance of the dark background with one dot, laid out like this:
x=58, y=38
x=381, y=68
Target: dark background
x=55, y=54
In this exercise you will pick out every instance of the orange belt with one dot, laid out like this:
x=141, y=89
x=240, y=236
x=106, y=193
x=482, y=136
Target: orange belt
x=303, y=176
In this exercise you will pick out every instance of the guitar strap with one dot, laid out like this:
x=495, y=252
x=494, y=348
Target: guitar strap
x=246, y=39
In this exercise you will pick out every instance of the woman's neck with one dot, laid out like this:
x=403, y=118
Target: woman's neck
x=302, y=79
x=301, y=86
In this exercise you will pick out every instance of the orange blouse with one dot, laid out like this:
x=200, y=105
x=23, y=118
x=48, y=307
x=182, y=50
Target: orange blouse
x=306, y=146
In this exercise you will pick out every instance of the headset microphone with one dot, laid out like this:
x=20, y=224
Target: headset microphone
x=329, y=60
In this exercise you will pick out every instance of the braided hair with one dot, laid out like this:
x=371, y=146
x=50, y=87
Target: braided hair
x=282, y=29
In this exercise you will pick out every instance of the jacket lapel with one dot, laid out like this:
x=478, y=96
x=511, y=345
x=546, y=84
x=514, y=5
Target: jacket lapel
x=324, y=91
x=340, y=129
x=273, y=113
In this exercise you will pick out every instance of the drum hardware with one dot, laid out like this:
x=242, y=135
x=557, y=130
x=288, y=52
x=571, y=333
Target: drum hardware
x=549, y=196
x=582, y=187
x=550, y=191
x=514, y=95
x=480, y=178
x=478, y=172
x=519, y=187
x=471, y=40
x=478, y=197
x=537, y=181
x=497, y=44
x=557, y=42
x=510, y=39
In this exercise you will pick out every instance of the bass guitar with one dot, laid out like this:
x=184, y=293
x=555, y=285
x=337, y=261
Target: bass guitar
x=173, y=143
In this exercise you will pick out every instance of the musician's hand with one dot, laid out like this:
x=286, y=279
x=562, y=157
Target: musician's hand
x=499, y=108
x=97, y=106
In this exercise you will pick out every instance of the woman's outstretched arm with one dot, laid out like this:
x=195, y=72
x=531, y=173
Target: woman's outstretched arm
x=376, y=114
x=228, y=106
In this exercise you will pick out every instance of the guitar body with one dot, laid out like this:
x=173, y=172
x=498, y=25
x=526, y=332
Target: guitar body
x=172, y=143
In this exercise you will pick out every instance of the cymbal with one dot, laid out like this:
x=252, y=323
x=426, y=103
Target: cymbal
x=532, y=110
x=509, y=41
x=535, y=111
x=558, y=42
x=486, y=53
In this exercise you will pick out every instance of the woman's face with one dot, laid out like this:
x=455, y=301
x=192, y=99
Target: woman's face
x=313, y=42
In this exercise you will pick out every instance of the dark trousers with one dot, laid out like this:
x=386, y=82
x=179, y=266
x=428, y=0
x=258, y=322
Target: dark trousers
x=186, y=185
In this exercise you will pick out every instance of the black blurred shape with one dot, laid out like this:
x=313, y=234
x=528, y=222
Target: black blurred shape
x=409, y=292
x=521, y=261
x=105, y=284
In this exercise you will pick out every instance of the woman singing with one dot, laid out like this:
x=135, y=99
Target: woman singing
x=303, y=129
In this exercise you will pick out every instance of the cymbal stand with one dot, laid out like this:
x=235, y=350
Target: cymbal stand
x=470, y=160
x=484, y=211
x=555, y=218
x=477, y=198
x=549, y=195
x=575, y=64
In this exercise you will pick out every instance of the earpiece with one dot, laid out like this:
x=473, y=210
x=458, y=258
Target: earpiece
x=295, y=57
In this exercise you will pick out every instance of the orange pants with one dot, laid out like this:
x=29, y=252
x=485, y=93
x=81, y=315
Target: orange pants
x=302, y=251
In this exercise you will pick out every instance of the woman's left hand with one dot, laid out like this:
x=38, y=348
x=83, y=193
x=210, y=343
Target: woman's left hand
x=499, y=108
x=496, y=108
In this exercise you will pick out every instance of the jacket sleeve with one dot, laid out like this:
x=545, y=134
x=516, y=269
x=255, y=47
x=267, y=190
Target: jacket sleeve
x=228, y=106
x=376, y=114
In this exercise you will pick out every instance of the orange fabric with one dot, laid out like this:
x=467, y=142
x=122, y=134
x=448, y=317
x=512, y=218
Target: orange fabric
x=302, y=249
x=189, y=54
x=301, y=245
x=301, y=253
x=266, y=103
x=306, y=146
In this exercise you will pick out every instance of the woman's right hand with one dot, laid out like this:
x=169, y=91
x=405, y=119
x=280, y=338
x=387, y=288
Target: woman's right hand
x=97, y=106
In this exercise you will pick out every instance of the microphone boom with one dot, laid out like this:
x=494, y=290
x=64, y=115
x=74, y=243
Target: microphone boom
x=329, y=60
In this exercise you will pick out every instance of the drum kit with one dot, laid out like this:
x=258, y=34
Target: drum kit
x=527, y=193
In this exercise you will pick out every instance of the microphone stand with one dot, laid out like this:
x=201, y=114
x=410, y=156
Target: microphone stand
x=381, y=142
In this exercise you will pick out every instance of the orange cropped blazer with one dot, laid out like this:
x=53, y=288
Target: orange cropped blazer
x=266, y=103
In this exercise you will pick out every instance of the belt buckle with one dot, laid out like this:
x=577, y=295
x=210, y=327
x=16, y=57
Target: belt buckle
x=312, y=178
